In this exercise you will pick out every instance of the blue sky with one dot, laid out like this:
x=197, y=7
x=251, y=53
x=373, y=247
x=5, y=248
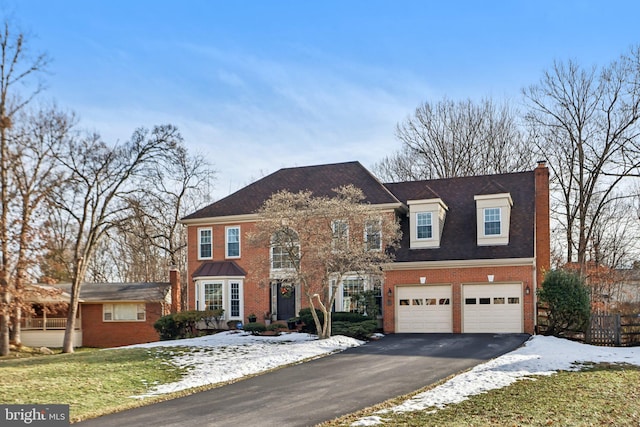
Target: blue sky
x=259, y=85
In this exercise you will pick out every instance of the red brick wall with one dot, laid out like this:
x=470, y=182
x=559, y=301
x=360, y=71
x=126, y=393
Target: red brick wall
x=256, y=283
x=98, y=333
x=543, y=237
x=456, y=277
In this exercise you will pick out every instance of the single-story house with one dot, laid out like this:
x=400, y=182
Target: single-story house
x=109, y=314
x=473, y=252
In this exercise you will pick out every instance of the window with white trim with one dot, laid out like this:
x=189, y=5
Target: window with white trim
x=426, y=222
x=358, y=294
x=493, y=213
x=213, y=296
x=234, y=299
x=340, y=231
x=492, y=222
x=233, y=242
x=373, y=235
x=124, y=312
x=285, y=249
x=205, y=243
x=424, y=225
x=352, y=295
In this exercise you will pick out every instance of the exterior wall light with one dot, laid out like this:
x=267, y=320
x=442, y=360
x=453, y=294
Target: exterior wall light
x=423, y=280
x=490, y=277
x=527, y=290
x=389, y=293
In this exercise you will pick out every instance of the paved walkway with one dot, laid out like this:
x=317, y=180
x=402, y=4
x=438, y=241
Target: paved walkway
x=323, y=389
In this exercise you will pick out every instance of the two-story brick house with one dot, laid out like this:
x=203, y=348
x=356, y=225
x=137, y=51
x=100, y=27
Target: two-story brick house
x=473, y=251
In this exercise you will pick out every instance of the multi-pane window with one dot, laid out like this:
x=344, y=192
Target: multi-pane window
x=235, y=299
x=205, y=243
x=492, y=221
x=213, y=296
x=340, y=235
x=424, y=225
x=285, y=250
x=233, y=242
x=123, y=312
x=373, y=235
x=352, y=290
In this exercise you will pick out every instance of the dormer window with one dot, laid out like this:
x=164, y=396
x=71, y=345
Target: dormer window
x=426, y=219
x=493, y=213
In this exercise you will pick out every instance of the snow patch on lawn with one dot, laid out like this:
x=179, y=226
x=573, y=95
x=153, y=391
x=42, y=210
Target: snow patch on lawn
x=539, y=356
x=231, y=355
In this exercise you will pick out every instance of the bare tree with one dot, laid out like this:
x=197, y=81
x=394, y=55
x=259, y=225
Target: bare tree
x=100, y=180
x=320, y=240
x=450, y=139
x=17, y=68
x=585, y=122
x=34, y=141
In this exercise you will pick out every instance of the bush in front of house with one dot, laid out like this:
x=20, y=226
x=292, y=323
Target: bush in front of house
x=358, y=330
x=277, y=327
x=353, y=325
x=181, y=325
x=255, y=328
x=567, y=299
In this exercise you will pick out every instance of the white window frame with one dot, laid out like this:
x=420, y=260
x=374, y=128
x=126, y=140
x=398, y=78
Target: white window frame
x=369, y=231
x=226, y=284
x=436, y=209
x=485, y=203
x=200, y=243
x=227, y=241
x=368, y=282
x=429, y=224
x=335, y=237
x=109, y=312
x=486, y=211
x=275, y=245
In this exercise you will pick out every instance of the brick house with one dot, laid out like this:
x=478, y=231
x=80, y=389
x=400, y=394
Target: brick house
x=109, y=315
x=473, y=251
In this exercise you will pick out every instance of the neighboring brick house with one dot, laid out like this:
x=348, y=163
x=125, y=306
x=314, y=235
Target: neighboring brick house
x=473, y=251
x=110, y=314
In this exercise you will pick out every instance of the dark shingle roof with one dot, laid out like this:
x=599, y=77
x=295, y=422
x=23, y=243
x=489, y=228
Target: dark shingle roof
x=219, y=269
x=321, y=180
x=93, y=292
x=459, y=238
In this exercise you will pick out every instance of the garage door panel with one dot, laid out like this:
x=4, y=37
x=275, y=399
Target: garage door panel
x=424, y=309
x=492, y=308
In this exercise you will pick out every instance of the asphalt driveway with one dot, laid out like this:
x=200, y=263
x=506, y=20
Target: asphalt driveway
x=326, y=388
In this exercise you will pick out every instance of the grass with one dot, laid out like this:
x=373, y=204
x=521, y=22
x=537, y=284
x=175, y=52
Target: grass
x=598, y=395
x=97, y=382
x=92, y=382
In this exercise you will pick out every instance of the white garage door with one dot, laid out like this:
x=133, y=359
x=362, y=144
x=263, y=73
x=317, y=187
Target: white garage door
x=492, y=308
x=424, y=309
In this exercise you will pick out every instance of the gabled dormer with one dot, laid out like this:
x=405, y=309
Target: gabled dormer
x=493, y=216
x=426, y=221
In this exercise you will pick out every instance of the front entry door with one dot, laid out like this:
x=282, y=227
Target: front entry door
x=286, y=301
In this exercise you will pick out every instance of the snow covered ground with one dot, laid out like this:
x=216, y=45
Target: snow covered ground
x=231, y=355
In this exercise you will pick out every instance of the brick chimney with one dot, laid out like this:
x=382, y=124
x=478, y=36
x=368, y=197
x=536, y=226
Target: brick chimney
x=543, y=233
x=174, y=280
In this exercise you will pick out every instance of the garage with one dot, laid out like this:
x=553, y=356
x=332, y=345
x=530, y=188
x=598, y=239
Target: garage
x=492, y=308
x=424, y=309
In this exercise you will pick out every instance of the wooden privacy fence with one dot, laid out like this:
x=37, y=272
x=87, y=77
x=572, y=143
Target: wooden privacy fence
x=604, y=329
x=613, y=330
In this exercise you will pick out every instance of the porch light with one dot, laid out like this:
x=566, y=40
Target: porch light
x=389, y=293
x=527, y=290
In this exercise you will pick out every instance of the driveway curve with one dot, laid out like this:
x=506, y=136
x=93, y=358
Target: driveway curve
x=323, y=389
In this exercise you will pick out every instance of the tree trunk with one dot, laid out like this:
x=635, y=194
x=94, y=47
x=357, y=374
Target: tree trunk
x=67, y=344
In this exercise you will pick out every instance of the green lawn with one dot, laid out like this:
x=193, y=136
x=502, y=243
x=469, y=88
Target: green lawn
x=601, y=395
x=93, y=382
